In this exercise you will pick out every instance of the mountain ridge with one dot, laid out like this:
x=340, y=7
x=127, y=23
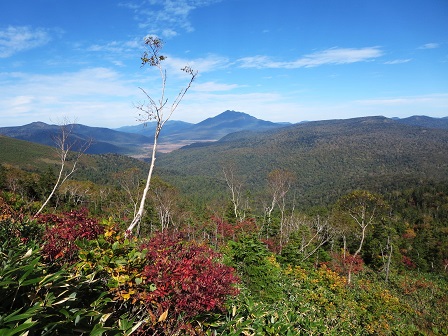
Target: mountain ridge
x=210, y=129
x=135, y=140
x=105, y=140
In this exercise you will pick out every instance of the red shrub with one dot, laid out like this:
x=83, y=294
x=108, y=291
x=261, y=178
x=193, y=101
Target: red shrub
x=345, y=263
x=408, y=262
x=272, y=244
x=64, y=229
x=188, y=277
x=233, y=231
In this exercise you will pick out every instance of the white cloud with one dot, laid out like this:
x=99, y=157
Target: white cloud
x=118, y=52
x=164, y=17
x=328, y=56
x=213, y=87
x=96, y=96
x=168, y=33
x=103, y=97
x=117, y=47
x=430, y=100
x=202, y=64
x=17, y=39
x=398, y=61
x=429, y=46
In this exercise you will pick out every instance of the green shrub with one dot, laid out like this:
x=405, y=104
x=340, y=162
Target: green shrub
x=258, y=269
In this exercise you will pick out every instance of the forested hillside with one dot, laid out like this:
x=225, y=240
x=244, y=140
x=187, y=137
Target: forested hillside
x=35, y=158
x=320, y=228
x=102, y=140
x=327, y=158
x=425, y=121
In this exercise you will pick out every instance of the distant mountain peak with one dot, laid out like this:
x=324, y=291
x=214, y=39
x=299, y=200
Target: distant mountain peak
x=235, y=114
x=39, y=124
x=234, y=120
x=227, y=115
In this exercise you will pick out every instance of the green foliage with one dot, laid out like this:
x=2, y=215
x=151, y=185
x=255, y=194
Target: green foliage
x=329, y=159
x=258, y=268
x=116, y=260
x=36, y=300
x=27, y=155
x=423, y=213
x=320, y=303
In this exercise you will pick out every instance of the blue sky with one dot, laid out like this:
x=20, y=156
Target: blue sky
x=286, y=60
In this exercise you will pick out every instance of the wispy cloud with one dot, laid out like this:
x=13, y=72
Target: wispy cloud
x=202, y=64
x=117, y=46
x=429, y=46
x=20, y=38
x=94, y=96
x=213, y=87
x=398, y=61
x=430, y=100
x=325, y=57
x=166, y=18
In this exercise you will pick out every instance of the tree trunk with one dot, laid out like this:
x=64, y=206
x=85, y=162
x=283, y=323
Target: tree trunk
x=388, y=259
x=139, y=215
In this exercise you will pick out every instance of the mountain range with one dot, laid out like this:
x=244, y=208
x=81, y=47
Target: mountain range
x=176, y=134
x=328, y=158
x=104, y=140
x=134, y=140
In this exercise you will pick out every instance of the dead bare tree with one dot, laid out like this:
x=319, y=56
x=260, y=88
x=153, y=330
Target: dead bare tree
x=130, y=181
x=322, y=234
x=164, y=198
x=157, y=110
x=64, y=148
x=364, y=208
x=313, y=233
x=386, y=256
x=235, y=186
x=279, y=183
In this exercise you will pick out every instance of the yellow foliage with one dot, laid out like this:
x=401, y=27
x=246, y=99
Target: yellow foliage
x=163, y=316
x=109, y=232
x=273, y=261
x=125, y=296
x=298, y=272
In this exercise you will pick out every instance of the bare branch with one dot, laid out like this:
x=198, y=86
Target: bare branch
x=64, y=148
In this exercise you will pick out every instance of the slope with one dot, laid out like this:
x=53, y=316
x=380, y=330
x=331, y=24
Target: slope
x=34, y=157
x=425, y=121
x=328, y=158
x=104, y=140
